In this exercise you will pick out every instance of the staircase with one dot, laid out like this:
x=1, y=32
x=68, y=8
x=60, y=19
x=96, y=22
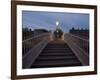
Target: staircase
x=56, y=54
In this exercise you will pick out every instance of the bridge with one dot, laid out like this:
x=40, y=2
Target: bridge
x=44, y=51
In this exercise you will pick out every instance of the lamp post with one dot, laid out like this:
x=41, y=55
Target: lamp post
x=59, y=31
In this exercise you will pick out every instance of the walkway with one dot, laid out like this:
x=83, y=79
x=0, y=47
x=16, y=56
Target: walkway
x=56, y=54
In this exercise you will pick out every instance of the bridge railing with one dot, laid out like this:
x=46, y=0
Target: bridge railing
x=34, y=46
x=31, y=42
x=80, y=47
x=81, y=42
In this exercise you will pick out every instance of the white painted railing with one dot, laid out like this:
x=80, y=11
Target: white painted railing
x=31, y=42
x=30, y=56
x=79, y=46
x=36, y=37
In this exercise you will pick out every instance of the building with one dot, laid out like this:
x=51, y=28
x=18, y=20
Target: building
x=40, y=31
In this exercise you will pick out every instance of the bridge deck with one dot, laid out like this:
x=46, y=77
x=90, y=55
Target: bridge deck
x=56, y=54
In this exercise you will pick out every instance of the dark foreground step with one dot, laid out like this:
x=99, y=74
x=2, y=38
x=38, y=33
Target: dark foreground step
x=56, y=63
x=57, y=46
x=56, y=51
x=57, y=54
x=54, y=48
x=56, y=57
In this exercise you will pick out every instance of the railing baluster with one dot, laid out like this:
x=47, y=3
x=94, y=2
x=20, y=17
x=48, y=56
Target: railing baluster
x=31, y=42
x=83, y=43
x=79, y=46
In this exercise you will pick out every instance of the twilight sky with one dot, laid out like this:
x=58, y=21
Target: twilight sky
x=47, y=20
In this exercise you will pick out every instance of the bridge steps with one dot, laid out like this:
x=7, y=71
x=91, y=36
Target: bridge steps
x=56, y=54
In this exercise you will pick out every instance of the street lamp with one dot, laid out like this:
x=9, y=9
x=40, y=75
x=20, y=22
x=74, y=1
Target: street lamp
x=57, y=23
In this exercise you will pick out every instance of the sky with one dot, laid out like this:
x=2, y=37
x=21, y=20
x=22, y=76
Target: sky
x=47, y=20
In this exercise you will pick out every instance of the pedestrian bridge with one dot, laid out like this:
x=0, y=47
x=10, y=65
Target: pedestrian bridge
x=45, y=51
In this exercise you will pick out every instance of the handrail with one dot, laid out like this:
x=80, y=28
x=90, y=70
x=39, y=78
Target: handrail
x=31, y=42
x=44, y=34
x=31, y=55
x=79, y=37
x=83, y=43
x=76, y=44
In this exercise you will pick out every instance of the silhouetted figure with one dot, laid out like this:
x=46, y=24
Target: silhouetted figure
x=58, y=33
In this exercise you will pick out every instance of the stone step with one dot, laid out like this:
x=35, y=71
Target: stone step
x=56, y=51
x=55, y=48
x=56, y=63
x=57, y=54
x=56, y=57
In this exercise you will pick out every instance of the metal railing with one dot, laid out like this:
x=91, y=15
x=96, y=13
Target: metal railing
x=81, y=42
x=33, y=41
x=79, y=46
x=37, y=44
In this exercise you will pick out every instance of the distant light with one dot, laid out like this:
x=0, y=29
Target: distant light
x=57, y=23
